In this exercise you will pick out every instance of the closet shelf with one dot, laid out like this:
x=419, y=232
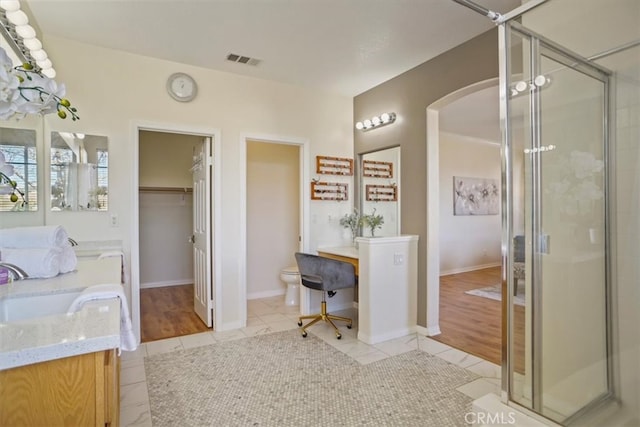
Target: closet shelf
x=165, y=190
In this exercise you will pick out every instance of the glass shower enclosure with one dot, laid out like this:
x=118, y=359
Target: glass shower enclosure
x=557, y=168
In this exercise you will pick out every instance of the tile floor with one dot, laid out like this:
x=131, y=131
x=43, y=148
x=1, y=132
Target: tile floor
x=271, y=315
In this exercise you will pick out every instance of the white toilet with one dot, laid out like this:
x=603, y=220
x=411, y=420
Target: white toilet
x=291, y=276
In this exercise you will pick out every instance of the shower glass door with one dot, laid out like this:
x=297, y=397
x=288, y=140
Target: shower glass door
x=555, y=106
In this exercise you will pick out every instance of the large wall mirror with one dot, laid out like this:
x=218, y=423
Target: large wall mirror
x=79, y=172
x=380, y=189
x=19, y=164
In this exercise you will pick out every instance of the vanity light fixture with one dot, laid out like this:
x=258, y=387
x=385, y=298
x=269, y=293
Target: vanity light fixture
x=520, y=87
x=376, y=121
x=22, y=37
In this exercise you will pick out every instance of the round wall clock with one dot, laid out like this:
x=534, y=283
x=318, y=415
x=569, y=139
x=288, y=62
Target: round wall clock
x=182, y=87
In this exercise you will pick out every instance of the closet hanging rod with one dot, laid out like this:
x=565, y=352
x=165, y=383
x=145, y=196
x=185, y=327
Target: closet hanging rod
x=165, y=190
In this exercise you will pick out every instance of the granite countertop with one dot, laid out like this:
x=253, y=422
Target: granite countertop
x=95, y=327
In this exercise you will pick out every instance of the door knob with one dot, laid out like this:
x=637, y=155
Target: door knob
x=192, y=239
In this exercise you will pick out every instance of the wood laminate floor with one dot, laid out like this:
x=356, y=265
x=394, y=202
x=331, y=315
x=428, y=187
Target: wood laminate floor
x=168, y=312
x=467, y=322
x=474, y=324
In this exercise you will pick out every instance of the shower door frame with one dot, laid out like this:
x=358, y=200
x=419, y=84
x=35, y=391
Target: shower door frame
x=583, y=65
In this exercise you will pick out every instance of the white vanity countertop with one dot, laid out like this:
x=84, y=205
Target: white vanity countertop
x=88, y=272
x=95, y=327
x=93, y=248
x=345, y=251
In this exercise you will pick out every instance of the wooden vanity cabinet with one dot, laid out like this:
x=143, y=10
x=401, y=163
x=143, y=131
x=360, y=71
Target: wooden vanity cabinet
x=81, y=390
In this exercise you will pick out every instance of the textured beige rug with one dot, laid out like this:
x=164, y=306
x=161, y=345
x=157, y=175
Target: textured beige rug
x=495, y=292
x=281, y=379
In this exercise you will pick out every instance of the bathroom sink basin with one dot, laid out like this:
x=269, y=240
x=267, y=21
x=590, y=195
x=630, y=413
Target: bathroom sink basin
x=13, y=309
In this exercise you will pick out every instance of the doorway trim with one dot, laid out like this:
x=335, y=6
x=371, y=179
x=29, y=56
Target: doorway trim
x=433, y=198
x=136, y=127
x=303, y=144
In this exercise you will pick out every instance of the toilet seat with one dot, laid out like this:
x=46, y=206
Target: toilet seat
x=290, y=271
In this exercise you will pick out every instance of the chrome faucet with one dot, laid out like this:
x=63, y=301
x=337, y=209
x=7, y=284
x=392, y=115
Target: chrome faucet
x=18, y=273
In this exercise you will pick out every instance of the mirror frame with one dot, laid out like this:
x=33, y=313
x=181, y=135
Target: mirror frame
x=394, y=180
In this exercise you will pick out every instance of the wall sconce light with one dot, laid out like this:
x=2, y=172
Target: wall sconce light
x=376, y=121
x=14, y=26
x=519, y=88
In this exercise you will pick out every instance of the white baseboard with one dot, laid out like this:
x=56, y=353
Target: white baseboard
x=470, y=268
x=166, y=283
x=375, y=339
x=266, y=294
x=229, y=326
x=429, y=332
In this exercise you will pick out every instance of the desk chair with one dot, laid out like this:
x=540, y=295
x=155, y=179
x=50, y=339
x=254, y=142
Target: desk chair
x=326, y=275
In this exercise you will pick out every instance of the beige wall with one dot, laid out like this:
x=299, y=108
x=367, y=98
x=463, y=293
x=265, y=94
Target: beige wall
x=114, y=91
x=165, y=159
x=409, y=95
x=273, y=215
x=467, y=242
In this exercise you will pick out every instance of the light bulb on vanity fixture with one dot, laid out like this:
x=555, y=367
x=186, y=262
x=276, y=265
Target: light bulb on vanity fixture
x=376, y=121
x=522, y=87
x=23, y=39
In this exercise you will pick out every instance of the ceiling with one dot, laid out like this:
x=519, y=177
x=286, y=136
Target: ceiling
x=341, y=46
x=475, y=115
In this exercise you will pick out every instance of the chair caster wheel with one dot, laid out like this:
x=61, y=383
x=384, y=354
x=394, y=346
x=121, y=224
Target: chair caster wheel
x=304, y=335
x=299, y=323
x=338, y=336
x=349, y=326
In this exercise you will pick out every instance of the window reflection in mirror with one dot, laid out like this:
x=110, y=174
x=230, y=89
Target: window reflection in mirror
x=19, y=162
x=79, y=172
x=380, y=190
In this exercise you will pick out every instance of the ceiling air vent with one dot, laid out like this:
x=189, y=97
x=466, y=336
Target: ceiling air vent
x=242, y=59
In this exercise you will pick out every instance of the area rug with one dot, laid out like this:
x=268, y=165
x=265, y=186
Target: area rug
x=495, y=292
x=282, y=379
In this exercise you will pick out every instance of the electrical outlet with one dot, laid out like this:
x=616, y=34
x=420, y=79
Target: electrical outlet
x=398, y=259
x=113, y=220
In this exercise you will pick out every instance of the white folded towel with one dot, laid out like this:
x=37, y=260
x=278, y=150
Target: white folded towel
x=128, y=340
x=34, y=237
x=68, y=259
x=36, y=262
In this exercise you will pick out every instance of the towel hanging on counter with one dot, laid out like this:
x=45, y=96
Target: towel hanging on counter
x=128, y=340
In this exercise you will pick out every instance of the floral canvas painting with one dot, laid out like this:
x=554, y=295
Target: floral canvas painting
x=475, y=196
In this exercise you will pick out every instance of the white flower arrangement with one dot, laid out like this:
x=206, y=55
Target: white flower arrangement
x=353, y=222
x=23, y=91
x=8, y=185
x=373, y=221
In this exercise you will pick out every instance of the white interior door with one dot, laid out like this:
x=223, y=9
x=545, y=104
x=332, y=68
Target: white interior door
x=202, y=232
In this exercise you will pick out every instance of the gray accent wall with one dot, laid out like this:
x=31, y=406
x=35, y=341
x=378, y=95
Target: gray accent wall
x=409, y=95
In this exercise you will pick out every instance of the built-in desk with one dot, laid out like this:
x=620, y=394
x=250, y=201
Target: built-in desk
x=387, y=269
x=341, y=253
